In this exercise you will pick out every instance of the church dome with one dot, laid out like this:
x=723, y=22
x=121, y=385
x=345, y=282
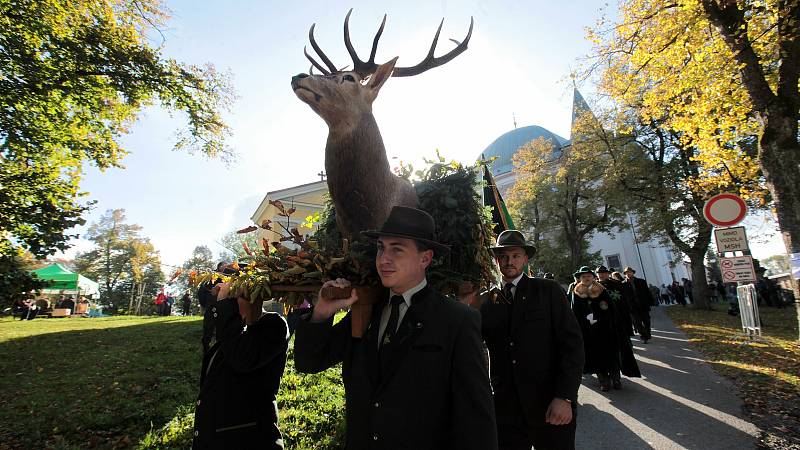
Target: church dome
x=507, y=145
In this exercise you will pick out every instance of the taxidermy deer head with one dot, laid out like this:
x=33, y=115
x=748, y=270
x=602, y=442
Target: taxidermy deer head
x=360, y=182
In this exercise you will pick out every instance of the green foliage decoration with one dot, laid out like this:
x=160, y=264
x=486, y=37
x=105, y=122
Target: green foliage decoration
x=449, y=191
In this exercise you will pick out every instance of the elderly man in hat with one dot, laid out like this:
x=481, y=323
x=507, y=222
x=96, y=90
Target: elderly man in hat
x=417, y=378
x=536, y=352
x=640, y=309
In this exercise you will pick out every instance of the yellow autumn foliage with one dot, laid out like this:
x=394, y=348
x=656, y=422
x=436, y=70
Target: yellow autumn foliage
x=666, y=60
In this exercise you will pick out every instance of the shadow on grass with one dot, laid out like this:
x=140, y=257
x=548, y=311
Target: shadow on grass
x=96, y=387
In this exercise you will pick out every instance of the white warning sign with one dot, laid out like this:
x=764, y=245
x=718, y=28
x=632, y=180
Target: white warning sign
x=737, y=268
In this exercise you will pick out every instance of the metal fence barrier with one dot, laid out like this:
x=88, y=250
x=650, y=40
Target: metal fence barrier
x=748, y=309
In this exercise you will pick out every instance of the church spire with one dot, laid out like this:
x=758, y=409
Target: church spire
x=579, y=106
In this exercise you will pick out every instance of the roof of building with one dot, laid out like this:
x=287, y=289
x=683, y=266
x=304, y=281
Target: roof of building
x=506, y=145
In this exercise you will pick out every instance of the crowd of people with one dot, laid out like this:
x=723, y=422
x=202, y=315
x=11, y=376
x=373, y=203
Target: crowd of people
x=495, y=370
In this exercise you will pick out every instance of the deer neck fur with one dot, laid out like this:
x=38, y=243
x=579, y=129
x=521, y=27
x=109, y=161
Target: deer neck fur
x=356, y=147
x=361, y=184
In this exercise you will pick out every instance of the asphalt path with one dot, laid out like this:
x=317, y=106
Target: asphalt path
x=679, y=403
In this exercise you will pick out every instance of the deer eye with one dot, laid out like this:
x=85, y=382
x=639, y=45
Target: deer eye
x=349, y=78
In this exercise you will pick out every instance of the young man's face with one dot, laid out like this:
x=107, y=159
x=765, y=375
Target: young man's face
x=629, y=275
x=603, y=275
x=586, y=278
x=511, y=261
x=401, y=265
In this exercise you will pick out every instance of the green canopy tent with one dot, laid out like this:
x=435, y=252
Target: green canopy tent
x=63, y=281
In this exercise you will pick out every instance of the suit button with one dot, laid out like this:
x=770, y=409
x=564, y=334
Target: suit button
x=513, y=361
x=196, y=433
x=374, y=437
x=377, y=404
x=215, y=314
x=511, y=344
x=198, y=403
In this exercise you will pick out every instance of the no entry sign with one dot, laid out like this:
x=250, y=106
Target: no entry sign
x=724, y=210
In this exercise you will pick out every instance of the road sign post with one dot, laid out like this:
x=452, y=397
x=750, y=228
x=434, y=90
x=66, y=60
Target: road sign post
x=748, y=310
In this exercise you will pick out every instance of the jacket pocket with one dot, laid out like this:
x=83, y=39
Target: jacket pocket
x=236, y=427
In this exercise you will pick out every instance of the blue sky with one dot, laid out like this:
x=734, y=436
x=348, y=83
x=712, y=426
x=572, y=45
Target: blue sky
x=518, y=61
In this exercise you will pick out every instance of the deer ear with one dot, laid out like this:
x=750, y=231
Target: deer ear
x=382, y=73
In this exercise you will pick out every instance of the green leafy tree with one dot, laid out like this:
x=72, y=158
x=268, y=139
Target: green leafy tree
x=201, y=260
x=73, y=78
x=726, y=71
x=658, y=169
x=234, y=244
x=566, y=195
x=15, y=278
x=776, y=264
x=120, y=261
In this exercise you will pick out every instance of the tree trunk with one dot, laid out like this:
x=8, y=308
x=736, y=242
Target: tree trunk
x=699, y=282
x=780, y=167
x=574, y=252
x=133, y=296
x=778, y=146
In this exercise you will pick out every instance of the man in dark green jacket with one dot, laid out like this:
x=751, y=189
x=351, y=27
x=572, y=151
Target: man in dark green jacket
x=416, y=379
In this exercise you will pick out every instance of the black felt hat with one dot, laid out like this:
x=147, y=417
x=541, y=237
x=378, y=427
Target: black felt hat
x=582, y=270
x=602, y=269
x=410, y=223
x=513, y=238
x=629, y=269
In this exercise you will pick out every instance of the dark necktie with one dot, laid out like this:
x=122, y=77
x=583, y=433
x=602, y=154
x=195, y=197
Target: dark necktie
x=394, y=316
x=508, y=294
x=385, y=354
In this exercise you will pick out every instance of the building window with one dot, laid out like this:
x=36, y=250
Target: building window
x=613, y=262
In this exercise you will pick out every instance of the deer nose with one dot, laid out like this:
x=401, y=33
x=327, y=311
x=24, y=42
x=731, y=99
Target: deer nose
x=299, y=77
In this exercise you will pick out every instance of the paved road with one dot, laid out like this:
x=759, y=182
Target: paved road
x=679, y=403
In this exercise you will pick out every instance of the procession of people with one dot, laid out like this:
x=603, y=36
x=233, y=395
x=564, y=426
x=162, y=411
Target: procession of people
x=419, y=377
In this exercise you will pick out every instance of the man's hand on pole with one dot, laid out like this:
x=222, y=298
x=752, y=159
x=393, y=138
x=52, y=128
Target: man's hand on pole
x=327, y=307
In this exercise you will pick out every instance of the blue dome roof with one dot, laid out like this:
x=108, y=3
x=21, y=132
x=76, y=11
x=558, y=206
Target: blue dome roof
x=506, y=145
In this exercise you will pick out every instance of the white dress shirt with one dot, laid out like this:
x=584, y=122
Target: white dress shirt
x=387, y=310
x=514, y=282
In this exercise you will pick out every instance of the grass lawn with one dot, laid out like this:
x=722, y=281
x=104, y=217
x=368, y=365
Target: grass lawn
x=131, y=382
x=766, y=371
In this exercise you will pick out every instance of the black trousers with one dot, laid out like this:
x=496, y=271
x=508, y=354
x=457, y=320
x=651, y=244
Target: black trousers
x=520, y=436
x=514, y=433
x=641, y=322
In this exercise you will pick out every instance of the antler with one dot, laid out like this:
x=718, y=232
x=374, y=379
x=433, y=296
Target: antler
x=366, y=68
x=321, y=54
x=430, y=61
x=363, y=69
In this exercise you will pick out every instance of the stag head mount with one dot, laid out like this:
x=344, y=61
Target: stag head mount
x=341, y=96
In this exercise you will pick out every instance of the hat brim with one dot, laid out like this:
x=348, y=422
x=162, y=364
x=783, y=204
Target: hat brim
x=577, y=274
x=529, y=249
x=438, y=249
x=604, y=271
